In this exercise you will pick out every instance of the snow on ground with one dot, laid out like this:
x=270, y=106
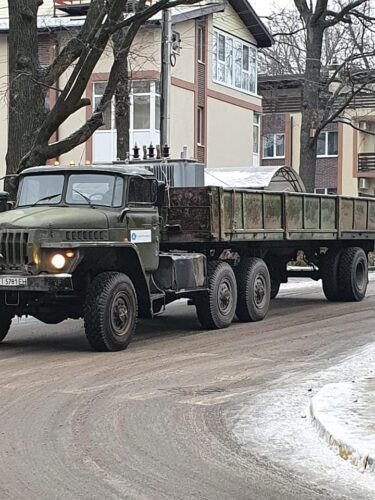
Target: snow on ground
x=280, y=418
x=344, y=414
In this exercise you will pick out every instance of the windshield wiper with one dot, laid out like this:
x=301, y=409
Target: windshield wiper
x=84, y=197
x=45, y=198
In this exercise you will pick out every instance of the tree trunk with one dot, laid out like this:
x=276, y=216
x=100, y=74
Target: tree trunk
x=27, y=97
x=122, y=101
x=310, y=105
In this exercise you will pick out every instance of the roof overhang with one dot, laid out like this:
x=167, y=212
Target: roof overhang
x=253, y=23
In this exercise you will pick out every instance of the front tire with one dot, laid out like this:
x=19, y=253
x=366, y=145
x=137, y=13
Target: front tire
x=254, y=289
x=353, y=275
x=275, y=288
x=217, y=307
x=5, y=322
x=110, y=312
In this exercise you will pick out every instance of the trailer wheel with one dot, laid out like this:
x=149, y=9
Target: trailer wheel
x=110, y=312
x=217, y=307
x=5, y=322
x=254, y=289
x=275, y=287
x=329, y=273
x=353, y=275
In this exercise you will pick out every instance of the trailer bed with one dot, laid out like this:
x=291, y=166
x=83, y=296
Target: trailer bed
x=218, y=215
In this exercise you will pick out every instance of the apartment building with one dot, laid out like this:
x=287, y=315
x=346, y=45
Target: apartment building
x=346, y=151
x=214, y=102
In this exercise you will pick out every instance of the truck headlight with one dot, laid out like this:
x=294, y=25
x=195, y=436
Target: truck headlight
x=58, y=261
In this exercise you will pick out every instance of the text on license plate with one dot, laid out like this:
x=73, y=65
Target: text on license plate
x=13, y=281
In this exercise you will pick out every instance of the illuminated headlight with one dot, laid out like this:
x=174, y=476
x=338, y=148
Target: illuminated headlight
x=58, y=261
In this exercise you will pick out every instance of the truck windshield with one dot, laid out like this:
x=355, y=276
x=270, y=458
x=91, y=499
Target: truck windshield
x=82, y=189
x=98, y=189
x=41, y=190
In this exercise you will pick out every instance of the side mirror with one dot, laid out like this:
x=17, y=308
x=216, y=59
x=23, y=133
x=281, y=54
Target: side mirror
x=4, y=200
x=160, y=198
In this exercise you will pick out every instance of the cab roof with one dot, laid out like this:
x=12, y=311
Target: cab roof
x=87, y=169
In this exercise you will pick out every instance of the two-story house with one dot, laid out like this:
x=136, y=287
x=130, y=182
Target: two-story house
x=346, y=149
x=214, y=102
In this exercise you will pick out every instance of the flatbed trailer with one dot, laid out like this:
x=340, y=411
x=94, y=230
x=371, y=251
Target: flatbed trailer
x=111, y=243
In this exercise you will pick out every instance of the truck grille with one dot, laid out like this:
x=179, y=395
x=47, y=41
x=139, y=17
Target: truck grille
x=13, y=248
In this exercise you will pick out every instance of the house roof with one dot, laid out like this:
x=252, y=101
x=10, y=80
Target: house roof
x=179, y=14
x=253, y=23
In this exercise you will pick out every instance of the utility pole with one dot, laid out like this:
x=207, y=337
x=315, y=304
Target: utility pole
x=165, y=84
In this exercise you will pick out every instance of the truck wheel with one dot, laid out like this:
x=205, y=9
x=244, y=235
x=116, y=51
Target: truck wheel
x=353, y=275
x=5, y=322
x=329, y=273
x=275, y=287
x=110, y=312
x=217, y=307
x=254, y=289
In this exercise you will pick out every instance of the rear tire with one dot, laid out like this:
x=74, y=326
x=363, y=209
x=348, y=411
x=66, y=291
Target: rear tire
x=353, y=275
x=217, y=307
x=110, y=312
x=254, y=289
x=329, y=273
x=5, y=322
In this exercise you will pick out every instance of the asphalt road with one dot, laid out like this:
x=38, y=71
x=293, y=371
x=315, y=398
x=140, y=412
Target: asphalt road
x=156, y=421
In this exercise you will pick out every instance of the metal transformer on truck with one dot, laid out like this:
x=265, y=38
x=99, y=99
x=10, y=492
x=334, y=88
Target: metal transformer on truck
x=110, y=244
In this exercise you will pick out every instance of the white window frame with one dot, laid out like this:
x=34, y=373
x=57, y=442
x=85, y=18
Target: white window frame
x=153, y=97
x=200, y=44
x=274, y=157
x=326, y=155
x=231, y=41
x=200, y=126
x=325, y=191
x=256, y=128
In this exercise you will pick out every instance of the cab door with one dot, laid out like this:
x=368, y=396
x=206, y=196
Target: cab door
x=142, y=218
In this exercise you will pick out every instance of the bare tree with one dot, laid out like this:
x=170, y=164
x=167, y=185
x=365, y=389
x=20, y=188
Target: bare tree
x=332, y=44
x=31, y=125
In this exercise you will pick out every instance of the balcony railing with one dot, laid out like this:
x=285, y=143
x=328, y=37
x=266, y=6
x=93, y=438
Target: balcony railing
x=366, y=162
x=72, y=7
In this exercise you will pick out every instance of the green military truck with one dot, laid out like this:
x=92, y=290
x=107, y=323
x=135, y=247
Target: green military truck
x=111, y=243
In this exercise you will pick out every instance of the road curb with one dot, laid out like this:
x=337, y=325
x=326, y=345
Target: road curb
x=344, y=417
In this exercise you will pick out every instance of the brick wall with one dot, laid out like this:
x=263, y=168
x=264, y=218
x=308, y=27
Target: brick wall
x=326, y=173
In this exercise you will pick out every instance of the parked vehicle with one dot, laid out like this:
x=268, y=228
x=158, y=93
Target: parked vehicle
x=110, y=244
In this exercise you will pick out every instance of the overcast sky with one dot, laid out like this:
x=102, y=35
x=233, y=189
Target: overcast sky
x=263, y=7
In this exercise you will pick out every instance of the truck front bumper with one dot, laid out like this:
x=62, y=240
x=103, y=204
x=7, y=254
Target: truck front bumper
x=51, y=283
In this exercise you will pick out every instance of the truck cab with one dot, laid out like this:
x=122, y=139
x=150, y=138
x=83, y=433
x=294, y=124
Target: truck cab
x=70, y=225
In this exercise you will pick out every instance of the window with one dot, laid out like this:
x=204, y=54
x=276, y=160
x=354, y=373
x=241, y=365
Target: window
x=327, y=144
x=142, y=190
x=98, y=189
x=108, y=114
x=144, y=105
x=256, y=127
x=234, y=63
x=200, y=128
x=41, y=190
x=325, y=191
x=200, y=48
x=274, y=146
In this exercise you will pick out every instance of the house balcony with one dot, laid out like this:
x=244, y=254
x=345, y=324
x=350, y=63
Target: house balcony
x=366, y=162
x=72, y=7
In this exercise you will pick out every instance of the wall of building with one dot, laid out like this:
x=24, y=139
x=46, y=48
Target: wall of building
x=229, y=139
x=230, y=22
x=347, y=180
x=182, y=128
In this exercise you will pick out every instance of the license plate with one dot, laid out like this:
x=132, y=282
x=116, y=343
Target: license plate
x=13, y=281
